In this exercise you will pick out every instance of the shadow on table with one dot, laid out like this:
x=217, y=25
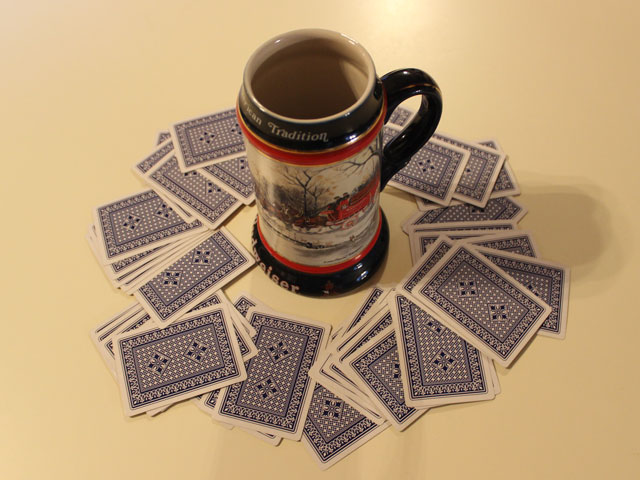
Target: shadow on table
x=573, y=225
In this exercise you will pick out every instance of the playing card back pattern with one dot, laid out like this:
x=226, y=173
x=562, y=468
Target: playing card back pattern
x=374, y=295
x=400, y=116
x=162, y=136
x=517, y=243
x=200, y=269
x=210, y=301
x=486, y=225
x=138, y=221
x=235, y=174
x=502, y=208
x=484, y=303
x=243, y=304
x=196, y=191
x=207, y=139
x=377, y=365
x=439, y=250
x=139, y=321
x=333, y=427
x=480, y=173
x=167, y=362
x=439, y=362
x=277, y=381
x=149, y=162
x=377, y=325
x=216, y=300
x=425, y=240
x=504, y=182
x=432, y=171
x=121, y=265
x=546, y=281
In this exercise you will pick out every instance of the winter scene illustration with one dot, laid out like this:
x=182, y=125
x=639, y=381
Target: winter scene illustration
x=319, y=215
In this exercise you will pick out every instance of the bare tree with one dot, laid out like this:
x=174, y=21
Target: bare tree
x=316, y=192
x=354, y=164
x=303, y=178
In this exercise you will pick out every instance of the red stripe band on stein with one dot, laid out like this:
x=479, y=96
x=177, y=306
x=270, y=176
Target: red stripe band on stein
x=322, y=270
x=316, y=158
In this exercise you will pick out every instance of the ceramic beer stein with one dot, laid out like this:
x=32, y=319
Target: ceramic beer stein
x=311, y=108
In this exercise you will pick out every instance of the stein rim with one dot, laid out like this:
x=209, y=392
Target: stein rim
x=281, y=41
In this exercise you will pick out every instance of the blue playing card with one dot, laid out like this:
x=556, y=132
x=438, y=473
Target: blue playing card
x=421, y=241
x=506, y=183
x=488, y=225
x=425, y=263
x=400, y=116
x=546, y=280
x=130, y=282
x=356, y=338
x=433, y=171
x=133, y=322
x=330, y=376
x=375, y=367
x=247, y=348
x=503, y=208
x=162, y=136
x=151, y=160
x=121, y=271
x=159, y=367
x=374, y=296
x=234, y=176
x=482, y=303
x=330, y=373
x=136, y=224
x=244, y=303
x=276, y=395
x=519, y=242
x=480, y=173
x=437, y=366
x=193, y=277
x=210, y=301
x=334, y=428
x=193, y=191
x=333, y=378
x=207, y=404
x=206, y=140
x=515, y=241
x=101, y=335
x=122, y=268
x=105, y=329
x=141, y=318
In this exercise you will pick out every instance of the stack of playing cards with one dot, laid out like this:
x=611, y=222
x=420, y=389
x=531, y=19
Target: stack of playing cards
x=204, y=350
x=476, y=295
x=165, y=245
x=198, y=176
x=447, y=169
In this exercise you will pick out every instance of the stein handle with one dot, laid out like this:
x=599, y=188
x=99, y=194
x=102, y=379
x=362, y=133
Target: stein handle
x=399, y=86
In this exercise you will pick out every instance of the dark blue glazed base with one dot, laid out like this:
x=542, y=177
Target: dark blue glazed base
x=322, y=284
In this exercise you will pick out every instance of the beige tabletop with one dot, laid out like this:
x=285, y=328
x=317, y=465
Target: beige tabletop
x=85, y=87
